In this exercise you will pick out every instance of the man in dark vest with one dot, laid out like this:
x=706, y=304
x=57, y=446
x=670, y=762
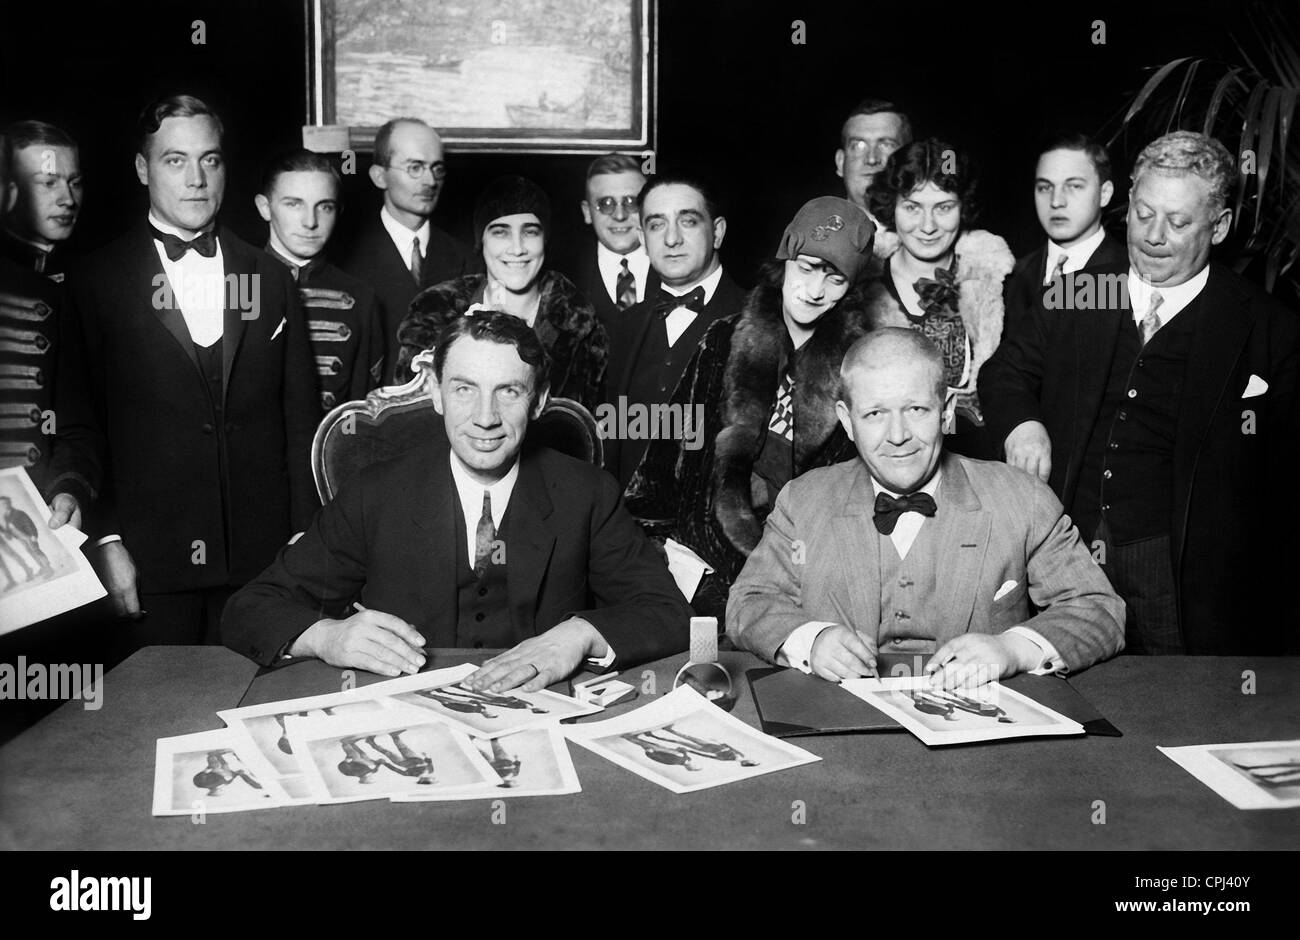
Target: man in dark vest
x=470, y=542
x=651, y=344
x=399, y=251
x=204, y=398
x=300, y=201
x=1158, y=397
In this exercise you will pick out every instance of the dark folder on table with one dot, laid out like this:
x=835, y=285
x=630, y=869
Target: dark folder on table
x=793, y=704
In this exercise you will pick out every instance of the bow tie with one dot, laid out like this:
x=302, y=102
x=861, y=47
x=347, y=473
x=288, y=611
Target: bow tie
x=667, y=302
x=888, y=509
x=204, y=243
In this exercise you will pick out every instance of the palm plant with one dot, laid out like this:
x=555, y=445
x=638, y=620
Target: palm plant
x=1249, y=104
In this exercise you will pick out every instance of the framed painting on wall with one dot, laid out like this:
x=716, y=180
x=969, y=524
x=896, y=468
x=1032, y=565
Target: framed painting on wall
x=541, y=76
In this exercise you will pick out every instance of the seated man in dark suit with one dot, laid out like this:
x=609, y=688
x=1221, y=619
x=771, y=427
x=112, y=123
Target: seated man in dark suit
x=615, y=273
x=906, y=549
x=1158, y=398
x=1072, y=185
x=651, y=344
x=476, y=544
x=300, y=201
x=398, y=251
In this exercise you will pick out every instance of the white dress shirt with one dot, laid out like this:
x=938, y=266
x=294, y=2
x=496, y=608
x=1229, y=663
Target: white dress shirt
x=1076, y=256
x=679, y=318
x=198, y=286
x=402, y=236
x=1175, y=298
x=470, y=492
x=610, y=264
x=796, y=651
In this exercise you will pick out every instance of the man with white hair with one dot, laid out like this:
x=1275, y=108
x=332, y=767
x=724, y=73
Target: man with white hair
x=1157, y=396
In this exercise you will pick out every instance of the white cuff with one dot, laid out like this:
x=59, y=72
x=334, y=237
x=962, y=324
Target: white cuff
x=1051, y=663
x=108, y=538
x=796, y=651
x=603, y=662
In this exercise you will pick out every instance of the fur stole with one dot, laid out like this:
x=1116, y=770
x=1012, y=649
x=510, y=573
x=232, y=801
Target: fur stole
x=750, y=385
x=983, y=263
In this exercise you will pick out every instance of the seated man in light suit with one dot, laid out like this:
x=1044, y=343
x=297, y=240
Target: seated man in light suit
x=955, y=553
x=476, y=542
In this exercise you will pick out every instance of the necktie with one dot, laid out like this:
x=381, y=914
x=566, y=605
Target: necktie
x=667, y=302
x=889, y=509
x=1059, y=269
x=1151, y=322
x=417, y=260
x=484, y=536
x=205, y=243
x=625, y=287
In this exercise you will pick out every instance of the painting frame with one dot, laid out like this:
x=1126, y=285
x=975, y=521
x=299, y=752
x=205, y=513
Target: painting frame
x=637, y=135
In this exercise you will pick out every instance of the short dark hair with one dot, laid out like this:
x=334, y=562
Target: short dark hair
x=1074, y=140
x=878, y=106
x=384, y=138
x=300, y=160
x=711, y=204
x=496, y=326
x=22, y=134
x=609, y=163
x=156, y=112
x=911, y=167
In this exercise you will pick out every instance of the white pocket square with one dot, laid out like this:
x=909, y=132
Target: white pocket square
x=1256, y=386
x=279, y=328
x=1007, y=588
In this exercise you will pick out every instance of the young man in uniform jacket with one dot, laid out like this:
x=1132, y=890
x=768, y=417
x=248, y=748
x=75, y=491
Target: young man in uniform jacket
x=300, y=202
x=205, y=402
x=398, y=251
x=1165, y=417
x=44, y=169
x=1072, y=185
x=471, y=540
x=651, y=343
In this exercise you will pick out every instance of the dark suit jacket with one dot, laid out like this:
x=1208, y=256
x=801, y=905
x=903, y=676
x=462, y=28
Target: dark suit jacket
x=158, y=450
x=627, y=335
x=388, y=541
x=374, y=258
x=1024, y=288
x=1234, y=506
x=587, y=278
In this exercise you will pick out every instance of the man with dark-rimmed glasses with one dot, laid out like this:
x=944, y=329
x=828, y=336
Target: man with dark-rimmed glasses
x=399, y=251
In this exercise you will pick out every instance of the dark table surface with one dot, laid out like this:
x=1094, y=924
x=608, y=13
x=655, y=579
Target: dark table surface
x=83, y=779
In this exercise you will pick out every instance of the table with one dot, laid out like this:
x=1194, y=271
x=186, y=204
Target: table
x=83, y=779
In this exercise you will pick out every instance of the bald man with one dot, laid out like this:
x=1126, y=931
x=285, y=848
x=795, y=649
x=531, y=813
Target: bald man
x=399, y=251
x=836, y=580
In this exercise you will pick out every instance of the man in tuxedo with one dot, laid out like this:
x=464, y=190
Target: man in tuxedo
x=651, y=344
x=617, y=275
x=43, y=196
x=873, y=131
x=398, y=251
x=911, y=550
x=1072, y=185
x=205, y=403
x=300, y=202
x=470, y=542
x=1164, y=416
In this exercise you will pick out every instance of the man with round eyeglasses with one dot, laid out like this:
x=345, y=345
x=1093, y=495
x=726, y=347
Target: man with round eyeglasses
x=616, y=275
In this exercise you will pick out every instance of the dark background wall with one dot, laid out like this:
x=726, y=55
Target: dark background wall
x=737, y=101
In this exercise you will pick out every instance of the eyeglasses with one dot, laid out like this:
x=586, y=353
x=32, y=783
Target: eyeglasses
x=882, y=147
x=415, y=169
x=605, y=204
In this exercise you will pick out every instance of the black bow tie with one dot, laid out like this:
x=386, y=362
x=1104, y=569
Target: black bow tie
x=888, y=509
x=204, y=243
x=667, y=302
